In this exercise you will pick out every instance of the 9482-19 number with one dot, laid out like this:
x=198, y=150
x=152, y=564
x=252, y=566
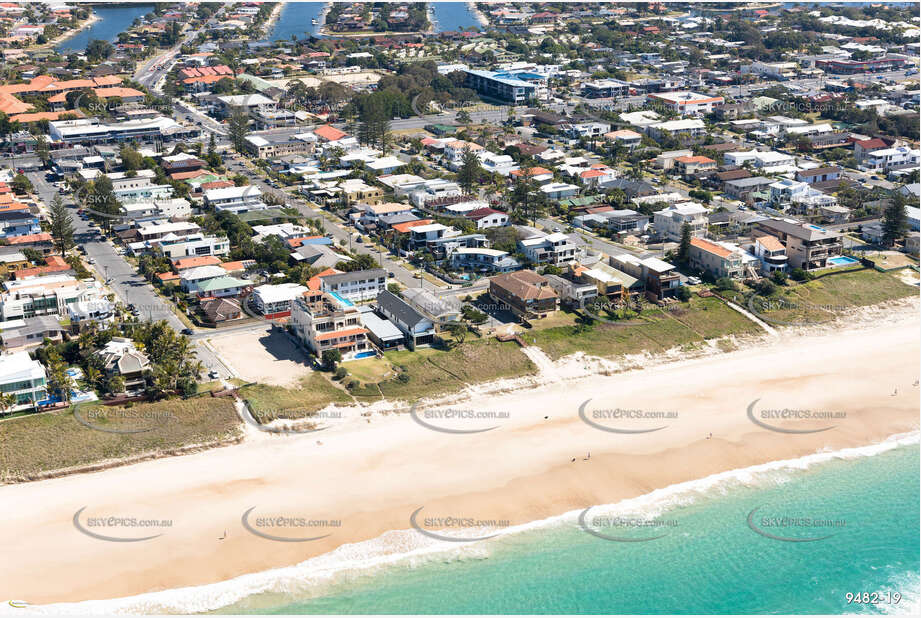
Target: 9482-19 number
x=872, y=598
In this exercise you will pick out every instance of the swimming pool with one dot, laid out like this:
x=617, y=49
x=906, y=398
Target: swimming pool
x=344, y=301
x=842, y=260
x=365, y=355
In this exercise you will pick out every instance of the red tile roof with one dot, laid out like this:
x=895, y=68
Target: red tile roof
x=341, y=333
x=710, y=247
x=27, y=238
x=329, y=133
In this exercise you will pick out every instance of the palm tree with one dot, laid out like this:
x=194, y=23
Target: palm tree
x=91, y=377
x=7, y=401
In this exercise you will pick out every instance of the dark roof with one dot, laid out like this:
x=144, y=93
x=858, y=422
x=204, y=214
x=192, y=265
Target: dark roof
x=751, y=181
x=393, y=305
x=530, y=149
x=818, y=171
x=799, y=230
x=724, y=147
x=632, y=188
x=402, y=217
x=733, y=174
x=524, y=284
x=547, y=117
x=479, y=213
x=15, y=215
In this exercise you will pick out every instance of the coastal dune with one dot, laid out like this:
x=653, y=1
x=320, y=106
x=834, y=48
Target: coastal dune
x=370, y=474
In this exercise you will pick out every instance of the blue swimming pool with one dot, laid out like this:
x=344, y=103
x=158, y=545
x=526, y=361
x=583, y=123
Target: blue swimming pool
x=365, y=355
x=842, y=260
x=344, y=301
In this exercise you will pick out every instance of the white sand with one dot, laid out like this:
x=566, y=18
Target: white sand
x=372, y=472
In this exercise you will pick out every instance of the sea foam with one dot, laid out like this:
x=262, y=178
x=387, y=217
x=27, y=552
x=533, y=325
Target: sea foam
x=409, y=548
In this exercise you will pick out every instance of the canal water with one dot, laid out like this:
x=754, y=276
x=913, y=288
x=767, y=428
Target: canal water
x=113, y=20
x=297, y=19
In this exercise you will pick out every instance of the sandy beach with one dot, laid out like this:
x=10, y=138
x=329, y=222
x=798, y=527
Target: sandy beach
x=372, y=471
x=86, y=23
x=269, y=24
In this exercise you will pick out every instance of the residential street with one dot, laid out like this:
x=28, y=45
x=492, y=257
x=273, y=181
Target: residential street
x=121, y=276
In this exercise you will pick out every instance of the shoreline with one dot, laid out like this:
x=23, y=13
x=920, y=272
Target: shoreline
x=575, y=366
x=478, y=14
x=269, y=24
x=65, y=36
x=373, y=470
x=377, y=552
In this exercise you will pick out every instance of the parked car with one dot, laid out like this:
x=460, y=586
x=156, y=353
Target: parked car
x=186, y=331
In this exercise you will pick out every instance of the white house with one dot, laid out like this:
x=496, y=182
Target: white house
x=670, y=222
x=556, y=249
x=274, y=301
x=887, y=158
x=235, y=199
x=684, y=102
x=692, y=127
x=23, y=378
x=559, y=190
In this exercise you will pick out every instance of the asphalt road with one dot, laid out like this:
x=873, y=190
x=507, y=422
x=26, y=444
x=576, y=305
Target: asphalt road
x=339, y=233
x=121, y=277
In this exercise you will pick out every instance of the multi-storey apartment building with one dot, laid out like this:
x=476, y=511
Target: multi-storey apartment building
x=670, y=222
x=556, y=249
x=658, y=276
x=358, y=285
x=23, y=378
x=324, y=321
x=808, y=246
x=715, y=259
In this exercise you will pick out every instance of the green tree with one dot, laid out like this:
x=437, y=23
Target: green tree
x=21, y=184
x=41, y=149
x=131, y=158
x=62, y=228
x=374, y=121
x=458, y=332
x=238, y=127
x=525, y=200
x=101, y=201
x=115, y=385
x=470, y=170
x=7, y=401
x=684, y=247
x=58, y=380
x=895, y=220
x=331, y=358
x=98, y=50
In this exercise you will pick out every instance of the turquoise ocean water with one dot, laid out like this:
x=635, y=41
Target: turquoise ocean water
x=713, y=554
x=709, y=561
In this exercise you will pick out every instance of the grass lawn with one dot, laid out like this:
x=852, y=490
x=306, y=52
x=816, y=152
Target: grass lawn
x=433, y=279
x=820, y=299
x=54, y=440
x=435, y=372
x=368, y=369
x=655, y=330
x=555, y=319
x=216, y=385
x=270, y=402
x=891, y=259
